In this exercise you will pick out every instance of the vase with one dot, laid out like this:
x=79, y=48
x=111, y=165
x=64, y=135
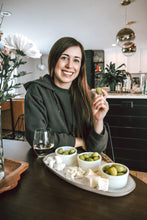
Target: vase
x=2, y=173
x=112, y=87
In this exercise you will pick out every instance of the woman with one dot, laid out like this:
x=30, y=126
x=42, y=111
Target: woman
x=63, y=102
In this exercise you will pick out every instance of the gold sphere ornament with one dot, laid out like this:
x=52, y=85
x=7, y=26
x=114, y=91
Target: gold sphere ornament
x=125, y=35
x=129, y=51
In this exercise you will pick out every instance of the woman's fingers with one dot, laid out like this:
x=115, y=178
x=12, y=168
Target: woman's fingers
x=105, y=94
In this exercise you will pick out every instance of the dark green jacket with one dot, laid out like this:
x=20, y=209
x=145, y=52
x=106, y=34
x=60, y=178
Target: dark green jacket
x=47, y=106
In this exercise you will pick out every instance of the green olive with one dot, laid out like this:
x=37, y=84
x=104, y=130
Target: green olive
x=60, y=151
x=89, y=159
x=120, y=168
x=95, y=154
x=86, y=156
x=82, y=157
x=106, y=168
x=65, y=152
x=96, y=158
x=72, y=151
x=113, y=171
x=99, y=91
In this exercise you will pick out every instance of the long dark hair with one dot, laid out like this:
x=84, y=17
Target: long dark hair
x=81, y=94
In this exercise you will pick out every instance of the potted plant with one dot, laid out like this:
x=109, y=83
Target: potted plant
x=15, y=48
x=111, y=76
x=12, y=52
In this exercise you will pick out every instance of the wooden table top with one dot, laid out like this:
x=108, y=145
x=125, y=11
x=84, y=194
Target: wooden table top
x=40, y=194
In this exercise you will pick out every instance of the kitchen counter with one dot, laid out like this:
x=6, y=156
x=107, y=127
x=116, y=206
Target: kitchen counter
x=126, y=96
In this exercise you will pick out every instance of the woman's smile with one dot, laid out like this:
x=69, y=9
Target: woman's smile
x=67, y=73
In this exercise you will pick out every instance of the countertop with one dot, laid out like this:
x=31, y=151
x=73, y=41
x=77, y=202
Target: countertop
x=123, y=95
x=126, y=96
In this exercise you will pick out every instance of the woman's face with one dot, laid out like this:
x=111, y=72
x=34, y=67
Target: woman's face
x=68, y=67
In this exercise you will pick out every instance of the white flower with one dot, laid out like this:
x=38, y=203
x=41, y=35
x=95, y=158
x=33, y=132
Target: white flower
x=19, y=42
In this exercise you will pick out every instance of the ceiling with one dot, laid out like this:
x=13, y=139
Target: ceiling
x=94, y=23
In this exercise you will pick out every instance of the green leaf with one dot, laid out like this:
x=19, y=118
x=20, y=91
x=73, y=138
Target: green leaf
x=20, y=52
x=8, y=65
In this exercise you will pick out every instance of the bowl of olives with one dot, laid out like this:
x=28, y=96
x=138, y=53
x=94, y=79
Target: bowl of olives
x=89, y=160
x=68, y=155
x=116, y=173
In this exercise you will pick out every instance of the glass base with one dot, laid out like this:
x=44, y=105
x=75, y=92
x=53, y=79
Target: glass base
x=2, y=174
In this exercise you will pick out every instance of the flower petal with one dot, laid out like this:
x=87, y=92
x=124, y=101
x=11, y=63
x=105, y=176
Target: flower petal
x=20, y=42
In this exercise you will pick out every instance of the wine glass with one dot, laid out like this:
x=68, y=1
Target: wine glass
x=43, y=142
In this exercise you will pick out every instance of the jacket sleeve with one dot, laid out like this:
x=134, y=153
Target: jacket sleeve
x=36, y=117
x=97, y=142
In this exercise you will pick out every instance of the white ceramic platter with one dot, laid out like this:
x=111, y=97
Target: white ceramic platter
x=79, y=183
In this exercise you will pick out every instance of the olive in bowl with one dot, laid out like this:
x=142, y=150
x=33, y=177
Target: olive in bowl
x=89, y=160
x=68, y=155
x=116, y=173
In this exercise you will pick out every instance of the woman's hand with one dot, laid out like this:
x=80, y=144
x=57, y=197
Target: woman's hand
x=80, y=143
x=100, y=109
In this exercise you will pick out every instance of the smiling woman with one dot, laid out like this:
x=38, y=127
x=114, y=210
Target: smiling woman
x=62, y=101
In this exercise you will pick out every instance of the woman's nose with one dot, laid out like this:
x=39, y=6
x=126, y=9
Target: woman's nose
x=69, y=63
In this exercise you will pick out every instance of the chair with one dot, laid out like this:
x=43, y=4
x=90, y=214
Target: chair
x=109, y=150
x=20, y=126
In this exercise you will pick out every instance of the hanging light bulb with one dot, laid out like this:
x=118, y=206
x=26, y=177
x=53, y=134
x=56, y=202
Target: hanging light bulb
x=129, y=51
x=127, y=44
x=125, y=37
x=125, y=2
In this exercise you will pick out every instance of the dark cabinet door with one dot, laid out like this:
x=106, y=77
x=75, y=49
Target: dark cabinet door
x=127, y=119
x=89, y=68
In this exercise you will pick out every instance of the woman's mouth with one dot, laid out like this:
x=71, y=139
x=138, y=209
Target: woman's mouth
x=67, y=73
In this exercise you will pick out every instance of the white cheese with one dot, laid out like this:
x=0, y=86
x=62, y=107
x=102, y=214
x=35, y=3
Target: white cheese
x=59, y=166
x=74, y=172
x=103, y=184
x=58, y=159
x=94, y=180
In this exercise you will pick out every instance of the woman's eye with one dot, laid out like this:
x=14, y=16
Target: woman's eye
x=63, y=58
x=76, y=60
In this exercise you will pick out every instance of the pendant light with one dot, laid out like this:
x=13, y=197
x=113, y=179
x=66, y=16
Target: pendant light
x=129, y=51
x=126, y=36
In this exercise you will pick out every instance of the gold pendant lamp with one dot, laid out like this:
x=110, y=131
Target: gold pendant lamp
x=126, y=36
x=129, y=51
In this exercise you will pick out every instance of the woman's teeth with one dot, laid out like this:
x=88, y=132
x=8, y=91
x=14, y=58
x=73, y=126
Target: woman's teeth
x=67, y=73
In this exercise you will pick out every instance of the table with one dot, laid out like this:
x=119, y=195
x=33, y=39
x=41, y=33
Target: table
x=40, y=194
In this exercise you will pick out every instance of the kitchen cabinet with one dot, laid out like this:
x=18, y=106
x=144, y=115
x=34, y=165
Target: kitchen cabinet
x=127, y=119
x=94, y=64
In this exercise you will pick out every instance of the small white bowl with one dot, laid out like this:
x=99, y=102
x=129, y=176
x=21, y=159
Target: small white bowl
x=115, y=182
x=70, y=159
x=85, y=165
